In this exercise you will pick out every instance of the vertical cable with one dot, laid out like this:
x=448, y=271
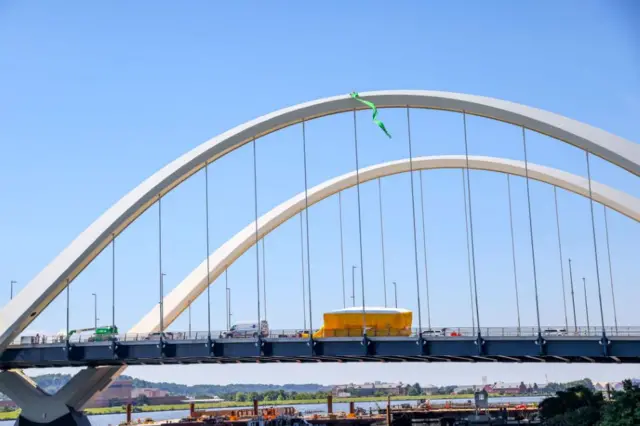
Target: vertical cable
x=613, y=296
x=586, y=303
x=564, y=296
x=513, y=250
x=384, y=271
x=533, y=252
x=113, y=280
x=67, y=291
x=160, y=265
x=306, y=209
x=227, y=296
x=466, y=225
x=355, y=143
x=344, y=298
x=424, y=249
x=413, y=211
x=206, y=210
x=304, y=291
x=473, y=248
x=573, y=299
x=255, y=206
x=595, y=244
x=264, y=280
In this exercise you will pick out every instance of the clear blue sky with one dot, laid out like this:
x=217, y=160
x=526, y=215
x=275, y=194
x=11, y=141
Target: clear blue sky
x=94, y=98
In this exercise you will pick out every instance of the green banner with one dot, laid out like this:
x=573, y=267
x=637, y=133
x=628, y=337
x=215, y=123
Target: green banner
x=371, y=105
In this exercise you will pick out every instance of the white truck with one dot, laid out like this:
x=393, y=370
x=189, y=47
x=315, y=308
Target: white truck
x=246, y=329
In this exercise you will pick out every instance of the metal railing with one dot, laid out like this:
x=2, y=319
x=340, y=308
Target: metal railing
x=433, y=333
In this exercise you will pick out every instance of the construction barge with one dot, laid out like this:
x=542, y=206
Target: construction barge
x=478, y=413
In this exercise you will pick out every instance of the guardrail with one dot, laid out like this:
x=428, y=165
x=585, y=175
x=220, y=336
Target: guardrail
x=433, y=333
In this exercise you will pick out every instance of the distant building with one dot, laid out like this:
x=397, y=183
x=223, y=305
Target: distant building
x=120, y=389
x=509, y=388
x=368, y=389
x=149, y=393
x=467, y=389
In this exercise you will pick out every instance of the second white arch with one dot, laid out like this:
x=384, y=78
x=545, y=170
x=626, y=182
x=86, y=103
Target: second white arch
x=196, y=282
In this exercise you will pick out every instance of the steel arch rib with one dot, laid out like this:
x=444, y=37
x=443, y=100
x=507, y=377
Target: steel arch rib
x=196, y=282
x=45, y=286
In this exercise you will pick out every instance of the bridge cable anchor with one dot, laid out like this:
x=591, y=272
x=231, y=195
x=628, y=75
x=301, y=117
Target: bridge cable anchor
x=605, y=342
x=114, y=348
x=210, y=345
x=366, y=343
x=479, y=342
x=542, y=344
x=312, y=345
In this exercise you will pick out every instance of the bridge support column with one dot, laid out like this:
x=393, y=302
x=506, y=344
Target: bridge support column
x=62, y=408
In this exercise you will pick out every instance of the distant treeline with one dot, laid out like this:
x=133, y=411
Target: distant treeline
x=52, y=382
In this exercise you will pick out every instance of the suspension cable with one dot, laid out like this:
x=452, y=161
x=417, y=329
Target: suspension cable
x=206, y=210
x=613, y=296
x=473, y=248
x=255, y=205
x=113, y=280
x=344, y=299
x=355, y=143
x=413, y=211
x=533, y=252
x=424, y=250
x=513, y=250
x=384, y=271
x=264, y=279
x=306, y=209
x=304, y=291
x=564, y=295
x=595, y=244
x=227, y=296
x=466, y=225
x=586, y=303
x=573, y=299
x=160, y=266
x=68, y=311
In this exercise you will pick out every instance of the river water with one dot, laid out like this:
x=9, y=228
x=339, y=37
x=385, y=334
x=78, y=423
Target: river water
x=115, y=419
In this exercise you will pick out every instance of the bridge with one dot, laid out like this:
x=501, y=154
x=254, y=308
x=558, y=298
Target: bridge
x=151, y=342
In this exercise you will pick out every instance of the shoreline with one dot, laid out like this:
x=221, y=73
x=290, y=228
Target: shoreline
x=12, y=415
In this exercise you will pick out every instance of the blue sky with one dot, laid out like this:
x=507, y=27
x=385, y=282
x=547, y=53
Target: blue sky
x=97, y=97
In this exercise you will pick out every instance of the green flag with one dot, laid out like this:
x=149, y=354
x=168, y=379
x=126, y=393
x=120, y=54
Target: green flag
x=371, y=105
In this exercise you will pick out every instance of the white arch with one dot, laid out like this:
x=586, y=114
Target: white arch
x=42, y=289
x=196, y=282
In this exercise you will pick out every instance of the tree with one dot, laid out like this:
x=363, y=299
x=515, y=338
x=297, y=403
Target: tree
x=577, y=406
x=535, y=387
x=624, y=409
x=240, y=397
x=142, y=400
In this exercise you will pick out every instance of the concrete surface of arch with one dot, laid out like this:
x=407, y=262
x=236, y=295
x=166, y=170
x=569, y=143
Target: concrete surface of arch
x=45, y=286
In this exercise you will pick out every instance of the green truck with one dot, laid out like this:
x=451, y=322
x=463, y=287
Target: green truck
x=100, y=334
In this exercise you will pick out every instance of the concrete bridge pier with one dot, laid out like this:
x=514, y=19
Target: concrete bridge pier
x=62, y=408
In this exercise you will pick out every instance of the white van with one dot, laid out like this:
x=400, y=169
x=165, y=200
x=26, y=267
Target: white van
x=248, y=329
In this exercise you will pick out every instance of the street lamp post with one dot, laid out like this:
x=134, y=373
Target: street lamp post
x=95, y=310
x=395, y=291
x=12, y=283
x=353, y=284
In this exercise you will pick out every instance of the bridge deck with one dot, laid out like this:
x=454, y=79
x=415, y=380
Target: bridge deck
x=352, y=349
